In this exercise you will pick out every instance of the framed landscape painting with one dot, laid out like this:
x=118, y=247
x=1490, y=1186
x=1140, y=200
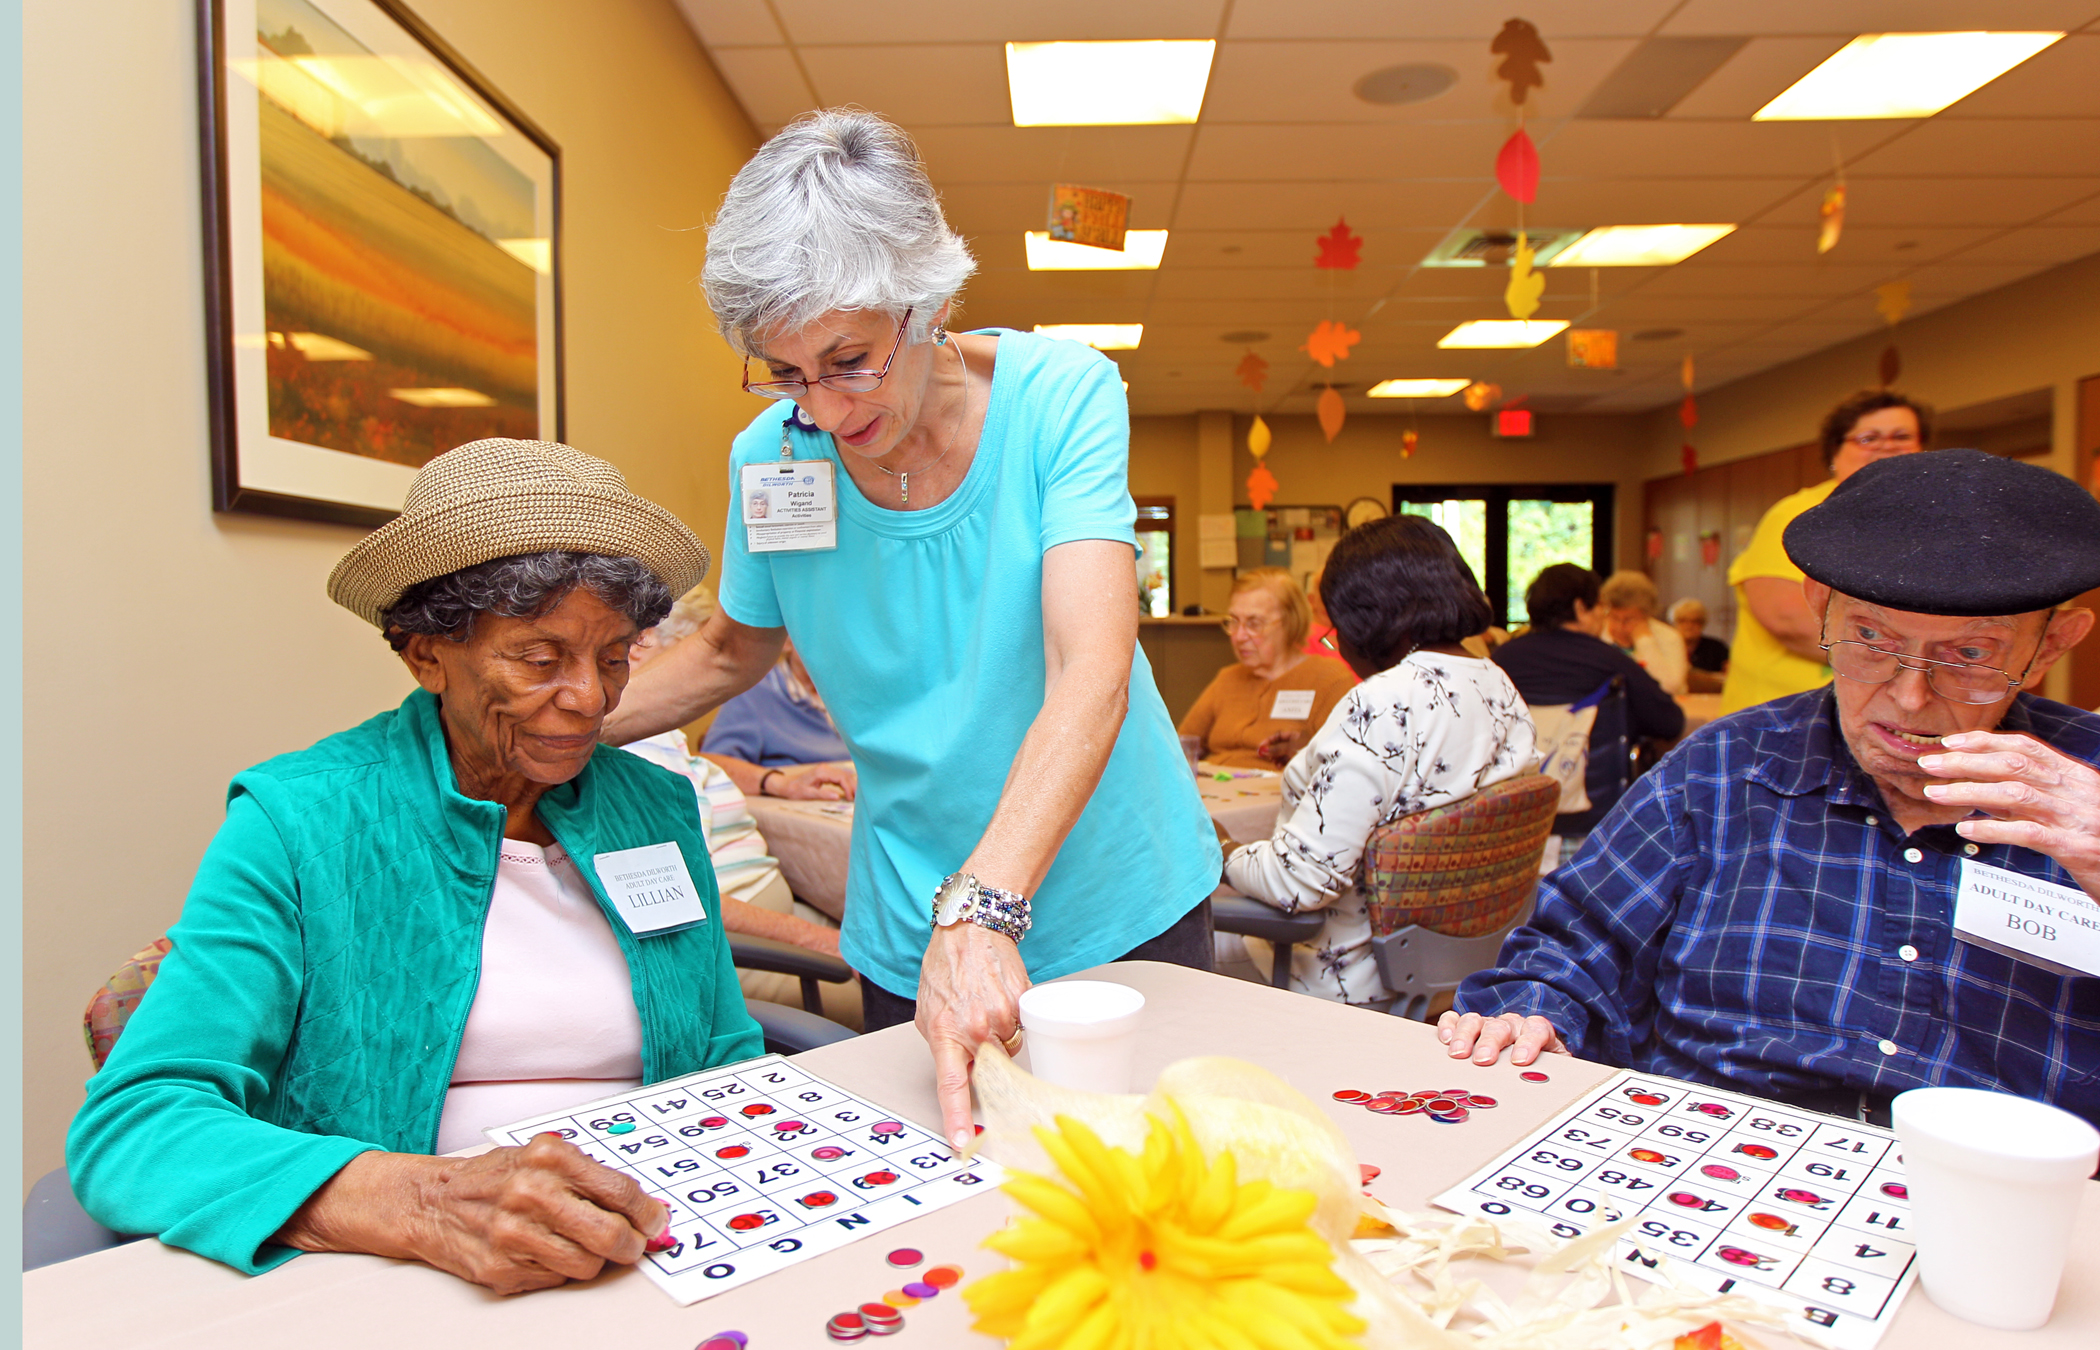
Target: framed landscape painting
x=382, y=236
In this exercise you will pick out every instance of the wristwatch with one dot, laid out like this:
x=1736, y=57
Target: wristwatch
x=960, y=899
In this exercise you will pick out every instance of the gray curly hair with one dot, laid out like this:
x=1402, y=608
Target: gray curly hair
x=834, y=213
x=525, y=585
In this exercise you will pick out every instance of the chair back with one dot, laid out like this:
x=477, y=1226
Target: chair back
x=118, y=998
x=1465, y=869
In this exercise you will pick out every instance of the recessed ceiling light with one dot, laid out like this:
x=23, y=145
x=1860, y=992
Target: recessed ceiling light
x=1141, y=253
x=1416, y=388
x=1098, y=84
x=1108, y=337
x=1901, y=75
x=1501, y=333
x=1638, y=245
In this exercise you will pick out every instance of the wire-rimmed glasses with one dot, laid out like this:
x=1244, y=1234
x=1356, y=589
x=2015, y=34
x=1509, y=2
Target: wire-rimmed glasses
x=844, y=381
x=1963, y=682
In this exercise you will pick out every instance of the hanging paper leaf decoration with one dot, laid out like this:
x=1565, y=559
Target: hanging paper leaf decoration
x=1655, y=544
x=1522, y=51
x=1252, y=371
x=1525, y=285
x=1833, y=213
x=1330, y=342
x=1691, y=459
x=1517, y=167
x=1892, y=300
x=1332, y=411
x=1686, y=374
x=1479, y=395
x=1261, y=487
x=1688, y=412
x=1340, y=249
x=1258, y=438
x=1710, y=547
x=1891, y=365
x=1593, y=349
x=1408, y=441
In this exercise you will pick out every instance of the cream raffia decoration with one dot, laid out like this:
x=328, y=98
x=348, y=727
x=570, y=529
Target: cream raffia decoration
x=1266, y=1180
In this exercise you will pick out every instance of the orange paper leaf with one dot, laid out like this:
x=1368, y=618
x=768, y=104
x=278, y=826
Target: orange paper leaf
x=1261, y=487
x=1525, y=285
x=1892, y=300
x=1408, y=441
x=1332, y=410
x=1522, y=51
x=1339, y=249
x=1687, y=374
x=1517, y=167
x=1479, y=395
x=1330, y=342
x=1833, y=214
x=1252, y=371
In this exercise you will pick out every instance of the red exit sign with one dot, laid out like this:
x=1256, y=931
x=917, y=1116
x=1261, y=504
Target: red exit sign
x=1512, y=423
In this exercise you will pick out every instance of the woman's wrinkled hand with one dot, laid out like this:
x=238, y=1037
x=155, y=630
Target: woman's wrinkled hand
x=970, y=988
x=1279, y=748
x=513, y=1219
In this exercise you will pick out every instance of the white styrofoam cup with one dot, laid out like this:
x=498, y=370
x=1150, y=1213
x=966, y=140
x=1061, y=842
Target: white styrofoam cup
x=1082, y=1033
x=1994, y=1182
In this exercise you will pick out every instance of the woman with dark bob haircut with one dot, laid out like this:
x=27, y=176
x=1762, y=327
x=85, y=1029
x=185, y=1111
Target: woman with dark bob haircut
x=1430, y=725
x=419, y=928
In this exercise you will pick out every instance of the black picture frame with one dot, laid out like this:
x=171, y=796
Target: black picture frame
x=254, y=470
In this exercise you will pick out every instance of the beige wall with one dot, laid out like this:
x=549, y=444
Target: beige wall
x=168, y=646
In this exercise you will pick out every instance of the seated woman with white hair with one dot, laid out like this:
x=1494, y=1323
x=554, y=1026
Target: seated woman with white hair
x=1630, y=609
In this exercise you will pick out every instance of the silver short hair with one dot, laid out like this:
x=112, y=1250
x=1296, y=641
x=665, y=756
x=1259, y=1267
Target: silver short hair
x=834, y=213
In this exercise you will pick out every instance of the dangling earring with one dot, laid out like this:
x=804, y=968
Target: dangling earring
x=940, y=336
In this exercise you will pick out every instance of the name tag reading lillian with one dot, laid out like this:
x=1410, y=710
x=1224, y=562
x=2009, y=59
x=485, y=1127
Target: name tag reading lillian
x=650, y=889
x=2028, y=919
x=788, y=505
x=1292, y=705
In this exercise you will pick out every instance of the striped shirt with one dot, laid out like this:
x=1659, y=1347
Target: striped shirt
x=1749, y=916
x=743, y=868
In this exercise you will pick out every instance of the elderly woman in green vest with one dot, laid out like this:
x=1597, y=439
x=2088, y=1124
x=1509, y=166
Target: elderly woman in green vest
x=416, y=929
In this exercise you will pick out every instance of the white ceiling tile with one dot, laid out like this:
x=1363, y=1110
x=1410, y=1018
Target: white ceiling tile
x=2083, y=212
x=1314, y=81
x=2042, y=245
x=1669, y=146
x=1097, y=156
x=1905, y=245
x=1229, y=248
x=732, y=23
x=1852, y=17
x=1942, y=283
x=1314, y=207
x=766, y=82
x=1987, y=148
x=1755, y=75
x=1359, y=287
x=1645, y=201
x=1474, y=20
x=1347, y=151
x=931, y=21
x=934, y=86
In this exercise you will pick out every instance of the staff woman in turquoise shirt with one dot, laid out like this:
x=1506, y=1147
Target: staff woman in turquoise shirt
x=1024, y=807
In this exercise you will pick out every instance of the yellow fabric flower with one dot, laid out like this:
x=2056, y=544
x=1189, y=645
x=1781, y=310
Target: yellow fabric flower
x=1167, y=1251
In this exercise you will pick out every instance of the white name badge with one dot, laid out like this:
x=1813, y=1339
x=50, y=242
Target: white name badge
x=650, y=888
x=788, y=504
x=1292, y=705
x=2029, y=919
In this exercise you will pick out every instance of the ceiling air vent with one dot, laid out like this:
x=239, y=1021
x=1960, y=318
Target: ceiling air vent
x=1475, y=247
x=1656, y=76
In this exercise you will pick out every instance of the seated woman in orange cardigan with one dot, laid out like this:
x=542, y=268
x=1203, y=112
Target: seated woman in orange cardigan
x=1260, y=709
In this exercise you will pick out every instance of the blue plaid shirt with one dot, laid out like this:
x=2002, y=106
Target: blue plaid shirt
x=1749, y=916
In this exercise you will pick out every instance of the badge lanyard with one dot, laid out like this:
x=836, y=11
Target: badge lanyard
x=789, y=505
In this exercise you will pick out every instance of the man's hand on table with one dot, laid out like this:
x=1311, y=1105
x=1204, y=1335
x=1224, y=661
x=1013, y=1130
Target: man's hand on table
x=2035, y=798
x=818, y=783
x=970, y=988
x=1484, y=1038
x=513, y=1219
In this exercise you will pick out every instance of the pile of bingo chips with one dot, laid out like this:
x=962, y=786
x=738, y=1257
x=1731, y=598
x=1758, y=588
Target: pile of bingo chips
x=1447, y=1106
x=882, y=1318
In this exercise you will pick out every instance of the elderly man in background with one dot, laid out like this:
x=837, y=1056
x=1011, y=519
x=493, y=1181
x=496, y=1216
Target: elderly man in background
x=1707, y=656
x=1776, y=651
x=1631, y=610
x=1773, y=908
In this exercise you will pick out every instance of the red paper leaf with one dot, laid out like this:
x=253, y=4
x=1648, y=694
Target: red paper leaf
x=1517, y=167
x=1891, y=366
x=1408, y=441
x=1330, y=342
x=1339, y=249
x=1688, y=412
x=1522, y=52
x=1332, y=411
x=1261, y=487
x=1691, y=459
x=1252, y=371
x=1710, y=549
x=1655, y=545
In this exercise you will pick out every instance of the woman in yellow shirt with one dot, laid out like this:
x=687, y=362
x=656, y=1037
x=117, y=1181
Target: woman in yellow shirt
x=1777, y=649
x=1260, y=709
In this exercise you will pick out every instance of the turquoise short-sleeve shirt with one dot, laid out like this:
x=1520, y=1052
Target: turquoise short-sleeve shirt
x=923, y=631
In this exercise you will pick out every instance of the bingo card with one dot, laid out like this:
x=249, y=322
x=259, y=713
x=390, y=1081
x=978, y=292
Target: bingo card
x=1735, y=1194
x=762, y=1165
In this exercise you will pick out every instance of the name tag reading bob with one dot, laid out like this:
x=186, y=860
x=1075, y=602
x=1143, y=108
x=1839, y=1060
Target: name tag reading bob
x=650, y=889
x=2028, y=919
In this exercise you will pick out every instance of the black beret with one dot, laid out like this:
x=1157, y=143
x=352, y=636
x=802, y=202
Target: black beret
x=1956, y=532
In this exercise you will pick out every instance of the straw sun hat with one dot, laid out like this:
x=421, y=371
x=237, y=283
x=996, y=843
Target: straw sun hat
x=496, y=498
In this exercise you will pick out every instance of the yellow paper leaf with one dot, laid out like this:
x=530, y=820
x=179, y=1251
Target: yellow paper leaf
x=1525, y=285
x=1330, y=342
x=1332, y=411
x=1479, y=395
x=1833, y=214
x=1892, y=300
x=1258, y=438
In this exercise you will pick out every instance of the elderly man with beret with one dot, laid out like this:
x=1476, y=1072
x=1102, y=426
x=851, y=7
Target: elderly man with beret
x=1772, y=908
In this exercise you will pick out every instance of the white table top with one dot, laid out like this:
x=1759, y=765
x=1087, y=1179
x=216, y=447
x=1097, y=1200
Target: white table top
x=147, y=1296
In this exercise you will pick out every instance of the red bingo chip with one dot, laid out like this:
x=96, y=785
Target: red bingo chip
x=784, y=1126
x=744, y=1223
x=871, y=1313
x=1895, y=1190
x=1412, y=1106
x=818, y=1199
x=846, y=1327
x=944, y=1277
x=1438, y=1105
x=1387, y=1108
x=1534, y=1077
x=1352, y=1095
x=758, y=1109
x=1720, y=1173
x=1474, y=1099
x=1448, y=1117
x=731, y=1151
x=827, y=1153
x=713, y=1122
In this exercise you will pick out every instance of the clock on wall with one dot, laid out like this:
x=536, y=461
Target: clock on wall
x=1363, y=510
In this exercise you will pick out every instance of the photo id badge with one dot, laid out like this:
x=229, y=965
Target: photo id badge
x=651, y=889
x=789, y=505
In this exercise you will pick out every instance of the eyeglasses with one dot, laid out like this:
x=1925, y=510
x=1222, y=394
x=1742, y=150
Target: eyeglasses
x=1893, y=441
x=1959, y=681
x=844, y=382
x=1253, y=627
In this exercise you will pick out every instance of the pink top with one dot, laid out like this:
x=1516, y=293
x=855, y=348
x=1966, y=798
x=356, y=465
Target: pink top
x=553, y=1022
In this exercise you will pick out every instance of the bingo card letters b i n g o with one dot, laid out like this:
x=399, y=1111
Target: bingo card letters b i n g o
x=1806, y=1213
x=762, y=1166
